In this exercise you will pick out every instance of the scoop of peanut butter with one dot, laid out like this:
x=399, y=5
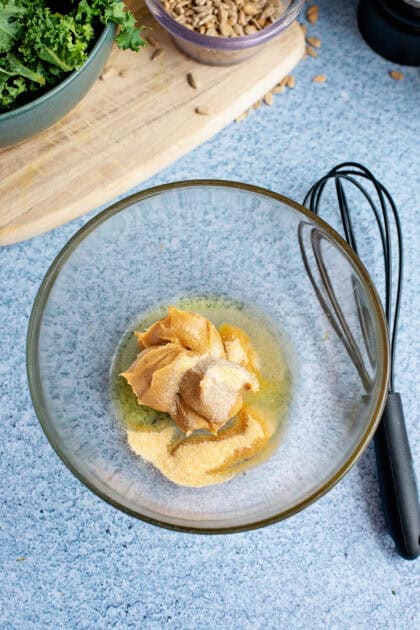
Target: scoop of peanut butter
x=186, y=370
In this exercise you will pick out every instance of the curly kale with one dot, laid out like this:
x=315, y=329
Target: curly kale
x=39, y=45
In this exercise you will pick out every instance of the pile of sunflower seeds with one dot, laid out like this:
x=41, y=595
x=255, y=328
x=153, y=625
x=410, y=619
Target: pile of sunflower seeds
x=224, y=18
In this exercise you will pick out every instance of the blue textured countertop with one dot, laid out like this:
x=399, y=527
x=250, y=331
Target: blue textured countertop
x=68, y=560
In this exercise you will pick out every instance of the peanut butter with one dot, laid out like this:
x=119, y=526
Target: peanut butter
x=183, y=369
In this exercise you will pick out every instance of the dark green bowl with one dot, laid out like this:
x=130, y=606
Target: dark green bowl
x=28, y=120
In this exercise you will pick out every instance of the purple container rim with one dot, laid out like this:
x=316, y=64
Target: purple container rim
x=224, y=43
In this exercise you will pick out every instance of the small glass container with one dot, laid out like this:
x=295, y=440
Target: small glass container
x=222, y=51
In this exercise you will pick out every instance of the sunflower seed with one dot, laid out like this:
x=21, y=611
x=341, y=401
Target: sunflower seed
x=319, y=78
x=278, y=89
x=291, y=81
x=268, y=98
x=311, y=51
x=107, y=73
x=241, y=117
x=151, y=41
x=396, y=75
x=202, y=111
x=225, y=29
x=268, y=12
x=314, y=41
x=249, y=9
x=157, y=53
x=312, y=14
x=250, y=29
x=238, y=30
x=192, y=81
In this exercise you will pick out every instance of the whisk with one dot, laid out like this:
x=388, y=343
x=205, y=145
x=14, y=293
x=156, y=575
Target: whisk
x=393, y=457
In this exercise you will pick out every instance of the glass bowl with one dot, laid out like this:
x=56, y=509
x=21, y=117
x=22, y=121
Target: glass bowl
x=222, y=51
x=228, y=240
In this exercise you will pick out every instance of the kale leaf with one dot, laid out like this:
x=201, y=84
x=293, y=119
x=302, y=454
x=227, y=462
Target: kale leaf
x=10, y=24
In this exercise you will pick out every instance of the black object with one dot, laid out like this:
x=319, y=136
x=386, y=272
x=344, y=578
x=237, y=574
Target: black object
x=392, y=28
x=396, y=479
x=393, y=457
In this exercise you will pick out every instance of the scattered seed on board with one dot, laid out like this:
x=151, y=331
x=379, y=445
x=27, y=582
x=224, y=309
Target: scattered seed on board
x=304, y=28
x=311, y=51
x=314, y=41
x=151, y=40
x=107, y=73
x=192, y=81
x=123, y=73
x=396, y=75
x=319, y=78
x=291, y=81
x=157, y=53
x=257, y=104
x=268, y=98
x=312, y=13
x=202, y=111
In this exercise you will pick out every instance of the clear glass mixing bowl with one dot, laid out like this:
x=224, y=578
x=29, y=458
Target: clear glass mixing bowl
x=223, y=239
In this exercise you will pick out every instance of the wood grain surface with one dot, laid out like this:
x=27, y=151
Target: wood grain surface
x=136, y=120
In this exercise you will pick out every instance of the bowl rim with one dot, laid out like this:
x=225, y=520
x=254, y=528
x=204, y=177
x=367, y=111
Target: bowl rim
x=72, y=244
x=110, y=27
x=224, y=43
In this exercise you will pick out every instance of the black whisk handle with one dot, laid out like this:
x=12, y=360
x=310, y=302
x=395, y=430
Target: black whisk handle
x=397, y=479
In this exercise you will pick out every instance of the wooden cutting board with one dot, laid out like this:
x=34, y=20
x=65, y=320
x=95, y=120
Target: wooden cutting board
x=135, y=121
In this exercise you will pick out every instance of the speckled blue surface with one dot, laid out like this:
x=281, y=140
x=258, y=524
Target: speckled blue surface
x=332, y=566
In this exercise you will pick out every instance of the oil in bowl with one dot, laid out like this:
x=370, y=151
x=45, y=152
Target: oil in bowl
x=248, y=438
